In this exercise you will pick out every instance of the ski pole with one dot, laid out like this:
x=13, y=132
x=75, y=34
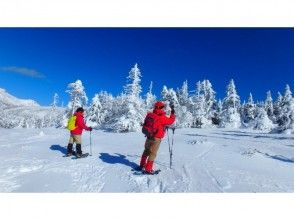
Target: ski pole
x=173, y=136
x=90, y=143
x=169, y=149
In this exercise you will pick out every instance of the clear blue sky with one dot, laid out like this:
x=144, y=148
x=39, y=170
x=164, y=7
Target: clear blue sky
x=37, y=62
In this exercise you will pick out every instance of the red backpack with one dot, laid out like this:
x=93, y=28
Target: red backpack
x=150, y=126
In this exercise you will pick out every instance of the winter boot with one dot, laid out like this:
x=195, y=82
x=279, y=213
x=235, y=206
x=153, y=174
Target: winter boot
x=143, y=161
x=69, y=150
x=148, y=167
x=79, y=150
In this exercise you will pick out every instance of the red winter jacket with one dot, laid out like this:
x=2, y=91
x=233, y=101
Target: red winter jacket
x=80, y=124
x=163, y=121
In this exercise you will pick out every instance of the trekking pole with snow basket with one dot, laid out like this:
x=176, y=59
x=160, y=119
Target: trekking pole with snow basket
x=170, y=148
x=90, y=143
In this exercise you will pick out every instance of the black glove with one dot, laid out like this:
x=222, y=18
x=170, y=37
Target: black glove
x=173, y=111
x=90, y=128
x=172, y=106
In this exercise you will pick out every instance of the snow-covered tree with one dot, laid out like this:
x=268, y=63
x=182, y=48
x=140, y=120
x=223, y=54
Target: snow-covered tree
x=101, y=110
x=55, y=100
x=78, y=97
x=268, y=105
x=150, y=98
x=169, y=96
x=249, y=112
x=278, y=108
x=184, y=117
x=133, y=88
x=216, y=118
x=183, y=94
x=131, y=113
x=262, y=121
x=230, y=116
x=210, y=101
x=232, y=100
x=286, y=121
x=198, y=107
x=94, y=116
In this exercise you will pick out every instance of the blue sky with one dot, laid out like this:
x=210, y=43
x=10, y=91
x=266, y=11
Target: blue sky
x=37, y=62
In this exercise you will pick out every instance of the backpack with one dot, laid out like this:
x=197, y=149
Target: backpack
x=71, y=123
x=150, y=126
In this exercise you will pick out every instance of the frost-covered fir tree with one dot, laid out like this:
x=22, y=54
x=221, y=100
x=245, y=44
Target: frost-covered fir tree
x=210, y=101
x=55, y=101
x=262, y=121
x=249, y=112
x=150, y=98
x=131, y=113
x=101, y=110
x=78, y=97
x=278, y=108
x=169, y=96
x=94, y=116
x=230, y=116
x=268, y=106
x=286, y=121
x=51, y=120
x=183, y=94
x=198, y=107
x=183, y=108
x=216, y=119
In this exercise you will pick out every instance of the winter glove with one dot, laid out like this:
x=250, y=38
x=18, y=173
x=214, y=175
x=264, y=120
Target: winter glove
x=173, y=111
x=90, y=128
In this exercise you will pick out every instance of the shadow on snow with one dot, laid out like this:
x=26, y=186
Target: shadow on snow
x=59, y=148
x=117, y=159
x=210, y=136
x=281, y=158
x=278, y=157
x=254, y=135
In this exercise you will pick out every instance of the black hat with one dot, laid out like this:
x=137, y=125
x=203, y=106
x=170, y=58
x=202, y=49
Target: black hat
x=80, y=109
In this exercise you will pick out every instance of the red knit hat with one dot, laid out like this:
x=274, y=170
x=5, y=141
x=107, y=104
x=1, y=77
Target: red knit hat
x=159, y=105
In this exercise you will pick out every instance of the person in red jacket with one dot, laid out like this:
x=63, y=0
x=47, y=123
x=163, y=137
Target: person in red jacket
x=76, y=134
x=152, y=143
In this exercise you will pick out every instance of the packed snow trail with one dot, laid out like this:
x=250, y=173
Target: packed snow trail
x=204, y=160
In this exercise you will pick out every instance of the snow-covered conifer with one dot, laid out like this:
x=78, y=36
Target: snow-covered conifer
x=183, y=94
x=78, y=97
x=286, y=120
x=55, y=101
x=249, y=112
x=150, y=98
x=94, y=116
x=230, y=115
x=268, y=105
x=262, y=121
x=198, y=107
x=131, y=113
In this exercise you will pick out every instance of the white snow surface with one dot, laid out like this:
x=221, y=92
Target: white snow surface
x=204, y=160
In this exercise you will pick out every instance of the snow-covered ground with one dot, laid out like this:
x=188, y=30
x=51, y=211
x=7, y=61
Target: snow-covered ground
x=205, y=160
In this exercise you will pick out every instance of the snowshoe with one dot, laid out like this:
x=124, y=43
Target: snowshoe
x=81, y=155
x=153, y=172
x=138, y=168
x=143, y=172
x=68, y=154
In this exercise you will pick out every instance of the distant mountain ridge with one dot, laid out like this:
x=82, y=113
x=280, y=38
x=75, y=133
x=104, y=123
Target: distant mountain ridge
x=8, y=101
x=26, y=113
